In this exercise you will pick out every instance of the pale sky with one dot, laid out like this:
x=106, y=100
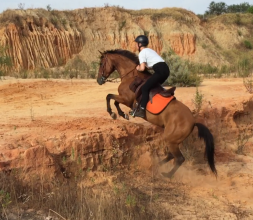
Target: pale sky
x=196, y=6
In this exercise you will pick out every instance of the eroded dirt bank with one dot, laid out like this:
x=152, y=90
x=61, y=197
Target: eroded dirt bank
x=61, y=128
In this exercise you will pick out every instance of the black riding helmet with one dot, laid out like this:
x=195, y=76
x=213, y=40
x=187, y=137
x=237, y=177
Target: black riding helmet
x=142, y=39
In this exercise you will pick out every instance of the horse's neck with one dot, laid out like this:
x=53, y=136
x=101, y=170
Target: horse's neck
x=124, y=66
x=127, y=68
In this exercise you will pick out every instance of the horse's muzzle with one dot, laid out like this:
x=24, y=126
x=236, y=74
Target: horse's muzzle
x=101, y=80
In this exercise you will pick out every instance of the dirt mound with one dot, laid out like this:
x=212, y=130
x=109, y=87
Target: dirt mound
x=58, y=132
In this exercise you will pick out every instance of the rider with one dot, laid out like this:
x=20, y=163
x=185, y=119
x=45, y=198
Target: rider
x=149, y=58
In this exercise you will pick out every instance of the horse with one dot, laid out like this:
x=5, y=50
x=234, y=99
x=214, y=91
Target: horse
x=176, y=119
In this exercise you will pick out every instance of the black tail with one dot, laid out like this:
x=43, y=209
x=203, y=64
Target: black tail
x=208, y=138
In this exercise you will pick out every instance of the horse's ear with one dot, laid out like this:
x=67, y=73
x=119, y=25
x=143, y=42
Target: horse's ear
x=100, y=52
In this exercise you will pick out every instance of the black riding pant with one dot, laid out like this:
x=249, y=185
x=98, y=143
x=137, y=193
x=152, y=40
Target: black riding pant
x=162, y=72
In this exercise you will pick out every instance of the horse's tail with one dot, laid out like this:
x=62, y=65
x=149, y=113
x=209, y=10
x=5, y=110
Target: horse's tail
x=209, y=151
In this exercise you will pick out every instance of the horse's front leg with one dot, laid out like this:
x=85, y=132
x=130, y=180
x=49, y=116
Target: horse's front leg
x=120, y=112
x=118, y=100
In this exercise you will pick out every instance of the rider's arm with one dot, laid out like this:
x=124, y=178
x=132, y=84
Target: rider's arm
x=141, y=67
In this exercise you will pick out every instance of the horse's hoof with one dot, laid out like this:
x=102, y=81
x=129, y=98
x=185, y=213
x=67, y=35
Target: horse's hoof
x=126, y=117
x=167, y=175
x=131, y=112
x=114, y=116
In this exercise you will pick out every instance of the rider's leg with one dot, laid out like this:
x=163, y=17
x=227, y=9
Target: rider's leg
x=150, y=83
x=162, y=72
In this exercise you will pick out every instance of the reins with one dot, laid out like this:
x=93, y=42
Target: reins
x=111, y=80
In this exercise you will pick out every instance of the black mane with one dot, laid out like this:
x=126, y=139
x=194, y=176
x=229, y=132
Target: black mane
x=125, y=53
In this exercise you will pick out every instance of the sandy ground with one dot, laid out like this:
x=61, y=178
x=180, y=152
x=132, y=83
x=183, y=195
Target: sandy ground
x=32, y=109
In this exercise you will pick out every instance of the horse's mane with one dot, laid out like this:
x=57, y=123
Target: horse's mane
x=125, y=53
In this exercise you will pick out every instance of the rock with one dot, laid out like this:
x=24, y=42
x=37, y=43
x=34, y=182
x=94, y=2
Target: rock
x=30, y=211
x=12, y=216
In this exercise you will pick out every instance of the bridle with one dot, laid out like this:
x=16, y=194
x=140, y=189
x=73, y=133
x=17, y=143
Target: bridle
x=104, y=78
x=102, y=75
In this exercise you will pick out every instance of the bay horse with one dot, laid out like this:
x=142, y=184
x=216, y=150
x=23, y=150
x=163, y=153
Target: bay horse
x=176, y=119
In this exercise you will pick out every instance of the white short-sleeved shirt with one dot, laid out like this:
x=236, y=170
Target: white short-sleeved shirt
x=150, y=57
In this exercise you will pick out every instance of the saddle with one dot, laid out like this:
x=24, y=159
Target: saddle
x=137, y=84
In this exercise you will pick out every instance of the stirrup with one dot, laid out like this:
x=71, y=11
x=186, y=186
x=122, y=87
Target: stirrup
x=142, y=113
x=132, y=112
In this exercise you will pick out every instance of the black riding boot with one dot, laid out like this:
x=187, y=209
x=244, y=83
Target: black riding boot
x=140, y=113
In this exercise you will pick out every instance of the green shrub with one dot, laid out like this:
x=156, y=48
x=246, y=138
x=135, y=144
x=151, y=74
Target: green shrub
x=56, y=75
x=157, y=16
x=204, y=46
x=238, y=19
x=183, y=79
x=114, y=75
x=122, y=24
x=244, y=67
x=5, y=62
x=202, y=68
x=224, y=69
x=248, y=84
x=247, y=44
x=54, y=21
x=198, y=101
x=46, y=73
x=209, y=69
x=179, y=71
x=93, y=70
x=24, y=74
x=146, y=33
x=64, y=22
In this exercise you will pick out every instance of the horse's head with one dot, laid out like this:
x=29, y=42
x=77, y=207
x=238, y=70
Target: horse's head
x=105, y=69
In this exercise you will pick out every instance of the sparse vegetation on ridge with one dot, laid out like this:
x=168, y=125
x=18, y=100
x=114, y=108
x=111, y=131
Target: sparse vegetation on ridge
x=69, y=20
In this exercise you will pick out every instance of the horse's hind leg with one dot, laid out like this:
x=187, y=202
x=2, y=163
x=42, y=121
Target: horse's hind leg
x=178, y=159
x=167, y=159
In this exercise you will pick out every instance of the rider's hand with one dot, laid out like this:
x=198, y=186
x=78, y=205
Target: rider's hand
x=141, y=67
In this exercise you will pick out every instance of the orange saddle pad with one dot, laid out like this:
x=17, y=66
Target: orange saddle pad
x=158, y=104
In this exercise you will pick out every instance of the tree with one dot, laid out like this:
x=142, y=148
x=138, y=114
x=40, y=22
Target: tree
x=241, y=8
x=250, y=10
x=21, y=6
x=221, y=8
x=217, y=8
x=49, y=8
x=244, y=7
